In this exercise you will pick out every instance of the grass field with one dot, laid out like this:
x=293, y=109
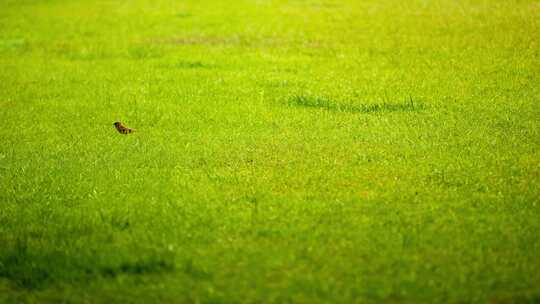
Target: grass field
x=302, y=151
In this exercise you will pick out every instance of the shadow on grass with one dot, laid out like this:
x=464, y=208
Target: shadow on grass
x=147, y=266
x=33, y=270
x=518, y=299
x=183, y=64
x=315, y=102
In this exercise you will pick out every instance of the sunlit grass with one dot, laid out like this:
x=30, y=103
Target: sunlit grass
x=286, y=152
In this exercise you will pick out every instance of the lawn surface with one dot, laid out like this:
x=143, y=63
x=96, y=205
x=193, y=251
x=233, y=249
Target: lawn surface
x=301, y=151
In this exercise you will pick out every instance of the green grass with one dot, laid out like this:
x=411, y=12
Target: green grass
x=302, y=151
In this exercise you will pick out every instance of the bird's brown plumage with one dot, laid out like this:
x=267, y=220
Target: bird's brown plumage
x=122, y=129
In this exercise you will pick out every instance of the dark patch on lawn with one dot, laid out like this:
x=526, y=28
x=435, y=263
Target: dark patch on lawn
x=25, y=272
x=33, y=269
x=519, y=299
x=139, y=267
x=184, y=64
x=315, y=102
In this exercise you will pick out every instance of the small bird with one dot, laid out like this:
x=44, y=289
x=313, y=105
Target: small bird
x=123, y=129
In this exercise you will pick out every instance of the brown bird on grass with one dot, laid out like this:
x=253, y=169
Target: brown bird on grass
x=123, y=129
